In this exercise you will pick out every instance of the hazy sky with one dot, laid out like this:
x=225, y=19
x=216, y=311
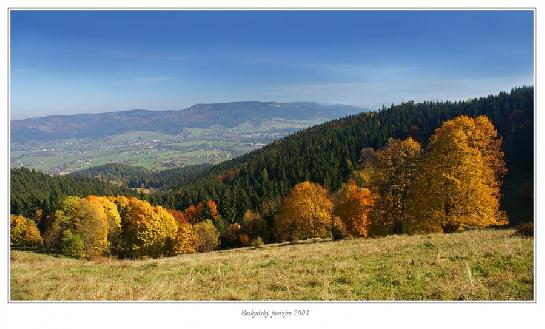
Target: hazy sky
x=65, y=62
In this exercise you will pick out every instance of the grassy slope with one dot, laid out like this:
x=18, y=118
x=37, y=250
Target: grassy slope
x=476, y=265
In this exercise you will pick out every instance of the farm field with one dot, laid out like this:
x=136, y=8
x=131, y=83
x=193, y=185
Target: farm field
x=473, y=265
x=153, y=150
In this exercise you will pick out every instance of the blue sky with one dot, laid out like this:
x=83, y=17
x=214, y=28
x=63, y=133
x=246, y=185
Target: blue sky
x=65, y=62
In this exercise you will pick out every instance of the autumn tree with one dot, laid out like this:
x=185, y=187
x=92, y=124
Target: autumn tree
x=146, y=230
x=254, y=225
x=209, y=210
x=194, y=213
x=93, y=219
x=353, y=205
x=24, y=232
x=91, y=224
x=186, y=240
x=207, y=236
x=459, y=182
x=178, y=215
x=392, y=171
x=306, y=212
x=234, y=237
x=113, y=218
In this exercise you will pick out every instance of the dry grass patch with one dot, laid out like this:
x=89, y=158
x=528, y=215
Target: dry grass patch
x=474, y=265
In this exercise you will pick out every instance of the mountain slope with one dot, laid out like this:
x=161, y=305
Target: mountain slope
x=30, y=190
x=135, y=176
x=171, y=122
x=328, y=153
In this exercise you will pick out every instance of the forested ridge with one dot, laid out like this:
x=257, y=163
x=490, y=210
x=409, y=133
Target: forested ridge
x=328, y=153
x=136, y=176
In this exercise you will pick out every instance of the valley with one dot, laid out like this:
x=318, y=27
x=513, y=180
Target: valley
x=157, y=140
x=153, y=150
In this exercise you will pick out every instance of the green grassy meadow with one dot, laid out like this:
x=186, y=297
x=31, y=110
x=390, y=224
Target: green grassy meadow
x=474, y=265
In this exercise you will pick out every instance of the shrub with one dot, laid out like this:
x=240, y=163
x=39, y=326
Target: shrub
x=24, y=232
x=257, y=242
x=244, y=239
x=525, y=230
x=72, y=245
x=339, y=229
x=207, y=236
x=232, y=235
x=254, y=225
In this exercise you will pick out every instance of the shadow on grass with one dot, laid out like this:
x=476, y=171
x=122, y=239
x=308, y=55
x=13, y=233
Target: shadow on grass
x=38, y=250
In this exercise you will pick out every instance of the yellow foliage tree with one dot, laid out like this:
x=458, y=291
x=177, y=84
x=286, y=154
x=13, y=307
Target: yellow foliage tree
x=91, y=224
x=306, y=212
x=186, y=239
x=94, y=219
x=147, y=230
x=207, y=236
x=24, y=232
x=459, y=182
x=394, y=169
x=112, y=215
x=353, y=206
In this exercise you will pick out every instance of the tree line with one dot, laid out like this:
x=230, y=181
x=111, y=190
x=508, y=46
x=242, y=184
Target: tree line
x=136, y=176
x=451, y=184
x=327, y=154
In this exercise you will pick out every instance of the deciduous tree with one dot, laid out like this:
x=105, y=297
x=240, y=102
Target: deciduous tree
x=393, y=171
x=306, y=212
x=352, y=206
x=459, y=182
x=24, y=232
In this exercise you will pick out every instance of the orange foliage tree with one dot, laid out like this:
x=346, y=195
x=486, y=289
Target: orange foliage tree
x=186, y=240
x=353, y=205
x=306, y=212
x=255, y=226
x=24, y=232
x=392, y=172
x=193, y=213
x=459, y=184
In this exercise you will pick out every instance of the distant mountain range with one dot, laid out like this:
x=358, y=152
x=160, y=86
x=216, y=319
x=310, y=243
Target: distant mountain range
x=171, y=122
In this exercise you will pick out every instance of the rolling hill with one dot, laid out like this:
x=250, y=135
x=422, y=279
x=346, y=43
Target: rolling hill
x=228, y=115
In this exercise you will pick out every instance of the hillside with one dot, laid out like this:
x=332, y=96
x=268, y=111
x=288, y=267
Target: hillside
x=328, y=153
x=30, y=190
x=135, y=176
x=56, y=127
x=474, y=265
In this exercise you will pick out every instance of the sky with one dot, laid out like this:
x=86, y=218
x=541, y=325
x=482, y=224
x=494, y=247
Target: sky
x=66, y=62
